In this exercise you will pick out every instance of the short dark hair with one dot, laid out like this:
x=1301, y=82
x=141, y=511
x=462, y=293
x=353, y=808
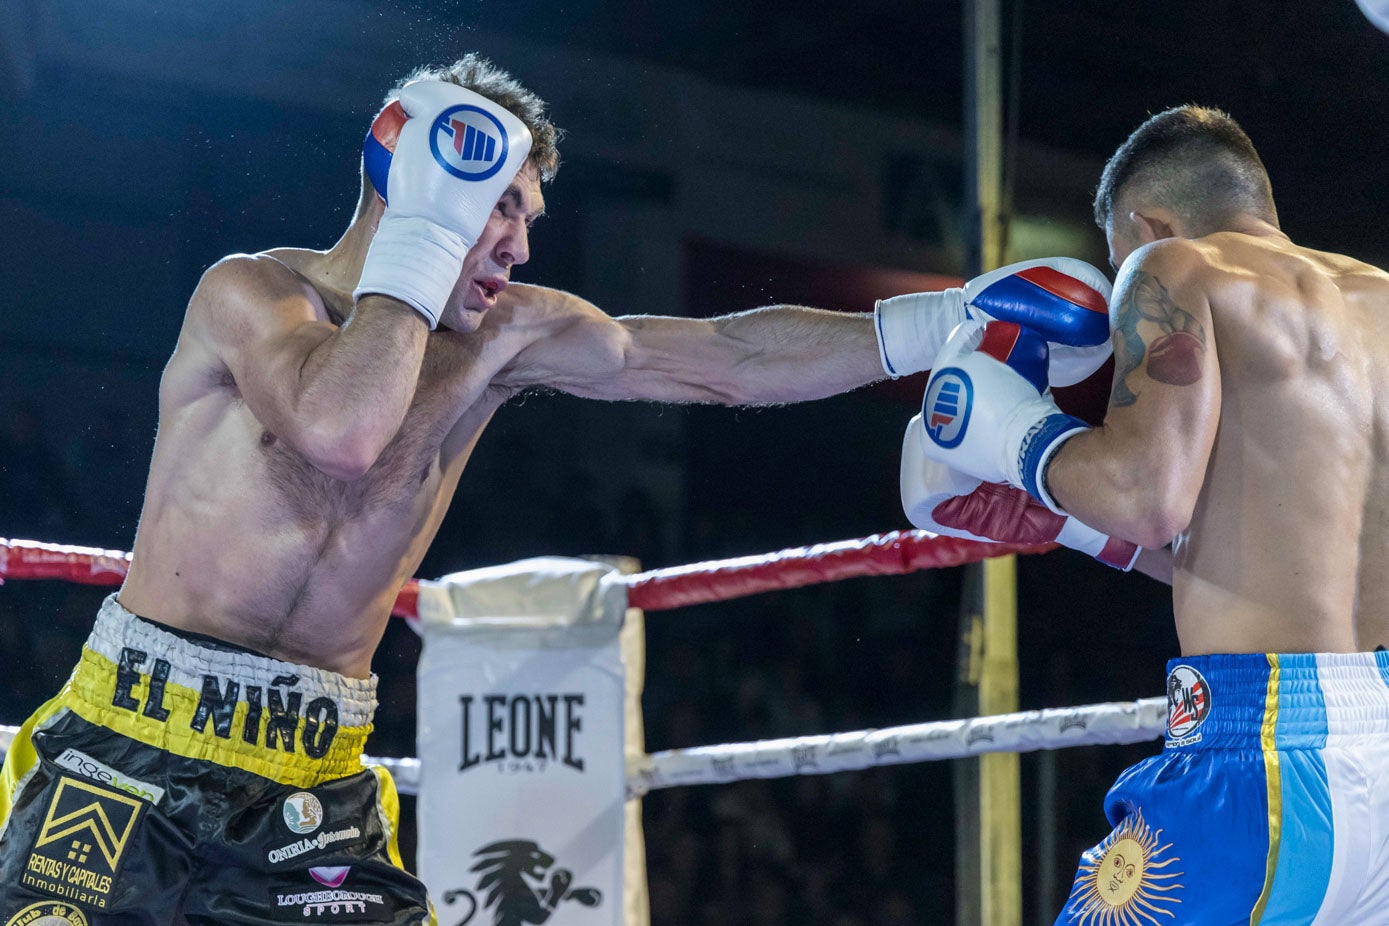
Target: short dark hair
x=480, y=75
x=1193, y=160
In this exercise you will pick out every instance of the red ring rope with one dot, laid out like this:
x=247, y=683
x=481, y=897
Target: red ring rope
x=893, y=553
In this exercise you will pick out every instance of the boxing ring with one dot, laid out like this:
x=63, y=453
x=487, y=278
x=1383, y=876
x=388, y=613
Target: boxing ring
x=629, y=596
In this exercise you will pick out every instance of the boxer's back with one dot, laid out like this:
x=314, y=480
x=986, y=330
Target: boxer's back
x=1288, y=547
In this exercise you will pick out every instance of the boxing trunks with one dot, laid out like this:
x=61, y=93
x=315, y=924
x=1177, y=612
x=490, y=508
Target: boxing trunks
x=176, y=776
x=1269, y=803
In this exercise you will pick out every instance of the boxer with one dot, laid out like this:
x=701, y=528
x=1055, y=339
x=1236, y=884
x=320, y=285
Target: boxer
x=315, y=418
x=1246, y=426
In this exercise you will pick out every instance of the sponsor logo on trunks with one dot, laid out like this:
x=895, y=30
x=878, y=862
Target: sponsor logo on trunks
x=87, y=767
x=522, y=732
x=303, y=813
x=48, y=913
x=79, y=848
x=945, y=410
x=333, y=905
x=1129, y=880
x=1188, y=705
x=469, y=142
x=516, y=879
x=315, y=844
x=287, y=720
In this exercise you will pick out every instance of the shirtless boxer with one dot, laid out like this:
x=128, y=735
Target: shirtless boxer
x=317, y=413
x=1246, y=425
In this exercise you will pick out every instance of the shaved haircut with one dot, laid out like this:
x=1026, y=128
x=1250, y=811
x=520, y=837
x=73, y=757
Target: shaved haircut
x=1194, y=161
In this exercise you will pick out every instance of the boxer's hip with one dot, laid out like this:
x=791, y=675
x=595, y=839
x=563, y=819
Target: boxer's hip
x=200, y=699
x=1268, y=802
x=1277, y=701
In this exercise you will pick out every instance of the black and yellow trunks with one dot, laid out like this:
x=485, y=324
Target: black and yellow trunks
x=176, y=778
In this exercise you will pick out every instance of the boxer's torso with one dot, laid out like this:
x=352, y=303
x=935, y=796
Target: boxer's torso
x=243, y=539
x=1289, y=543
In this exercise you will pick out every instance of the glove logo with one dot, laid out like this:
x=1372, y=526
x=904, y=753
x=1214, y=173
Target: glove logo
x=945, y=411
x=469, y=142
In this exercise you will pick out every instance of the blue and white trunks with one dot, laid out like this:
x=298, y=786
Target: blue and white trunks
x=1268, y=805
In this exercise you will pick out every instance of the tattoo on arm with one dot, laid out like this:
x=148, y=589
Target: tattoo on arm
x=1176, y=353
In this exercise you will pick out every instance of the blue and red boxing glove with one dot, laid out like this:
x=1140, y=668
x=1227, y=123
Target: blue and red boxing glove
x=1063, y=299
x=987, y=411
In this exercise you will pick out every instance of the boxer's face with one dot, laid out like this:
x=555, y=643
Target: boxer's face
x=503, y=244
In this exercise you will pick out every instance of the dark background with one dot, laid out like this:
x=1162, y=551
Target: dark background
x=102, y=243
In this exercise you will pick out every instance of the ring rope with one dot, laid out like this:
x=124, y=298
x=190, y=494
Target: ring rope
x=1113, y=723
x=893, y=553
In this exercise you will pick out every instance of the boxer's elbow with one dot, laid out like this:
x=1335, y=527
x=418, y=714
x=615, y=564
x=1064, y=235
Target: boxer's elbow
x=1156, y=514
x=1152, y=529
x=342, y=452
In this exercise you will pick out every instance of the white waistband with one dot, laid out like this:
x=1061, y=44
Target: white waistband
x=118, y=630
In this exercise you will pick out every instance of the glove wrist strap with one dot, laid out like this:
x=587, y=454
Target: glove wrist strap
x=1038, y=445
x=414, y=260
x=911, y=329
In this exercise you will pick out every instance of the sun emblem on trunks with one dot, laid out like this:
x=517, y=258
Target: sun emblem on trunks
x=1123, y=882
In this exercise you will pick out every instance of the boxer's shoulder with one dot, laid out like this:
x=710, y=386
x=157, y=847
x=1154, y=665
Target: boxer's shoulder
x=245, y=291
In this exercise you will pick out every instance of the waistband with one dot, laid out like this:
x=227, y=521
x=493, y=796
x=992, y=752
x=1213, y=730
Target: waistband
x=1276, y=700
x=290, y=723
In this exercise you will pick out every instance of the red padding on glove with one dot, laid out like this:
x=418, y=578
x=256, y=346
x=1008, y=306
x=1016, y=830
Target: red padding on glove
x=1002, y=512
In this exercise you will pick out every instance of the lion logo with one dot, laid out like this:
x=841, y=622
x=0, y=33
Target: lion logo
x=512, y=875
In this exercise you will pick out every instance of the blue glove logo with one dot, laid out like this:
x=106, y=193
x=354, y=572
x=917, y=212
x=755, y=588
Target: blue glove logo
x=945, y=410
x=469, y=142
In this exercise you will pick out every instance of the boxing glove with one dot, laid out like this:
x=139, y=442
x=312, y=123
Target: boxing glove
x=936, y=498
x=986, y=411
x=440, y=157
x=1064, y=299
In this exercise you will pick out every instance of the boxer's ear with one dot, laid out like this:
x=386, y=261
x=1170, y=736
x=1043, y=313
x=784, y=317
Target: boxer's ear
x=1151, y=227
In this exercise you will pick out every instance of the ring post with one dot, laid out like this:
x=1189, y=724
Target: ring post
x=998, y=863
x=522, y=697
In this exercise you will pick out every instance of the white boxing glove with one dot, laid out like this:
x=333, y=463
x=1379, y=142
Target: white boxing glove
x=987, y=411
x=440, y=157
x=939, y=499
x=1064, y=299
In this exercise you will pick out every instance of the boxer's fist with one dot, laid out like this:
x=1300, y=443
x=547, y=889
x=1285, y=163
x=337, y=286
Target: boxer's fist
x=936, y=498
x=986, y=411
x=1064, y=299
x=440, y=157
x=454, y=154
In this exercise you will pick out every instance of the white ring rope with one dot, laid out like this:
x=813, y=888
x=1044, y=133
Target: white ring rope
x=1113, y=723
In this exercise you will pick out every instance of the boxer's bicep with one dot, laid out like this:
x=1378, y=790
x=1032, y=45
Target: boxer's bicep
x=262, y=330
x=264, y=327
x=1138, y=476
x=1165, y=399
x=657, y=358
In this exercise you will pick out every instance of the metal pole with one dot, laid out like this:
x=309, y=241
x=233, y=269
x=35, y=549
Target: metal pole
x=997, y=847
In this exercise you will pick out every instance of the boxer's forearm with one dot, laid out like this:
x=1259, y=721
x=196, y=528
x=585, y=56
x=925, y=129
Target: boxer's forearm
x=759, y=357
x=1126, y=493
x=793, y=354
x=355, y=388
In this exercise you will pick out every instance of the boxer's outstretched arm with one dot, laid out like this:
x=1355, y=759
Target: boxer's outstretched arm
x=1138, y=476
x=762, y=356
x=337, y=395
